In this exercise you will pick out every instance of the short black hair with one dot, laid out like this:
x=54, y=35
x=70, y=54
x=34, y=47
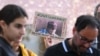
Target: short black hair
x=84, y=21
x=10, y=12
x=96, y=9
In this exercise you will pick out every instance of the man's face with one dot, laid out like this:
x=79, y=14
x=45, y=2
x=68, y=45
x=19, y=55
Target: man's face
x=84, y=38
x=15, y=30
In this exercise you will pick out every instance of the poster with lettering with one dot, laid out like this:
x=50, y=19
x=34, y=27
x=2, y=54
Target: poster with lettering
x=47, y=24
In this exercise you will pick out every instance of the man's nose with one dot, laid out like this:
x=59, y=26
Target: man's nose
x=22, y=32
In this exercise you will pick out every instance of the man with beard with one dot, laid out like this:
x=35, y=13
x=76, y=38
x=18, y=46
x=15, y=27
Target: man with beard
x=84, y=33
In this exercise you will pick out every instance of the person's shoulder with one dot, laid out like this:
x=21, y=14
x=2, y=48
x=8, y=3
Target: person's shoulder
x=53, y=50
x=2, y=50
x=31, y=53
x=94, y=49
x=25, y=50
x=96, y=52
x=1, y=46
x=56, y=46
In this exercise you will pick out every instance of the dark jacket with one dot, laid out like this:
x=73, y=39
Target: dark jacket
x=64, y=49
x=5, y=48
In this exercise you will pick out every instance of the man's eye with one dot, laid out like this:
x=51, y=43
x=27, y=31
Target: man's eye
x=83, y=38
x=18, y=26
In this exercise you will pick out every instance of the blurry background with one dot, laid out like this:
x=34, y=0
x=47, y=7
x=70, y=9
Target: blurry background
x=69, y=9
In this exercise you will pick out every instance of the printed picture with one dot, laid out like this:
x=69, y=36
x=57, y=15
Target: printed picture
x=46, y=24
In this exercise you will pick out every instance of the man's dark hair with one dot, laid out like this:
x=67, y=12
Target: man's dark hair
x=96, y=14
x=96, y=10
x=10, y=12
x=84, y=21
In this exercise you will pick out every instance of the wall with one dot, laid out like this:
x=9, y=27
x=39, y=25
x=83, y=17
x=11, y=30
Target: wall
x=69, y=9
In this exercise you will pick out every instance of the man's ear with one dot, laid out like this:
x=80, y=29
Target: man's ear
x=2, y=23
x=74, y=30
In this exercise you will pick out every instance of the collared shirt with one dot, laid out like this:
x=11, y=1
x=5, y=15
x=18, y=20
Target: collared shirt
x=64, y=49
x=5, y=48
x=69, y=50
